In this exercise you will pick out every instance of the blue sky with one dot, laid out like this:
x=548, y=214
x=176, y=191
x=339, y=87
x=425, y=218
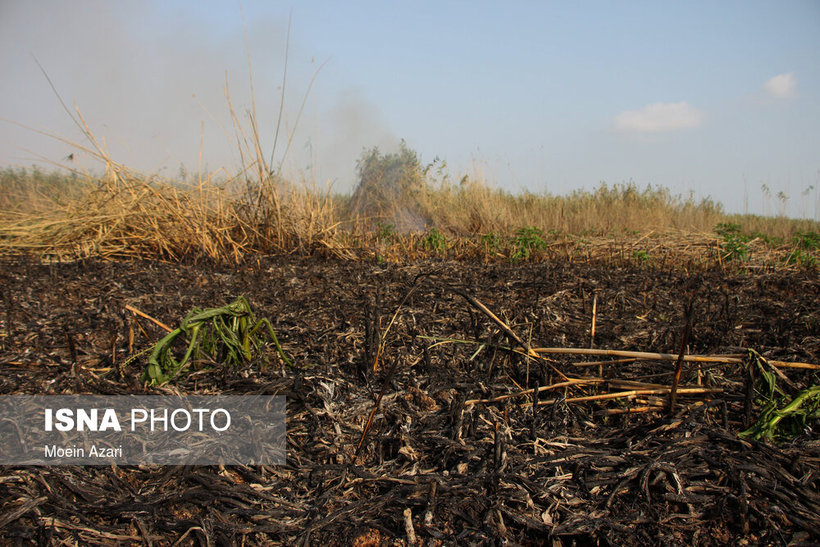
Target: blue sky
x=714, y=98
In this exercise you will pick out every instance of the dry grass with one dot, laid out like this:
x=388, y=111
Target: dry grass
x=400, y=210
x=124, y=214
x=474, y=207
x=29, y=191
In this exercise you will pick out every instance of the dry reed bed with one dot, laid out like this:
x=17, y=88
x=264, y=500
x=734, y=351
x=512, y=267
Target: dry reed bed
x=126, y=215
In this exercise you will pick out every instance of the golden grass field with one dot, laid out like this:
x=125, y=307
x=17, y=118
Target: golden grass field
x=122, y=214
x=400, y=209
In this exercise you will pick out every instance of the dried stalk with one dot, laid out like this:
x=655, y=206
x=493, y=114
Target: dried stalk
x=645, y=355
x=635, y=392
x=157, y=322
x=486, y=311
x=687, y=332
x=570, y=382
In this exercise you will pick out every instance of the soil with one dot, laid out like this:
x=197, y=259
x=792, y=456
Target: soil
x=435, y=464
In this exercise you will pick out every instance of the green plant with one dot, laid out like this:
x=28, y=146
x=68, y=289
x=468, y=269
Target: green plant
x=725, y=229
x=230, y=334
x=435, y=241
x=809, y=241
x=386, y=233
x=642, y=257
x=801, y=258
x=735, y=249
x=804, y=244
x=527, y=240
x=735, y=245
x=771, y=241
x=782, y=418
x=491, y=243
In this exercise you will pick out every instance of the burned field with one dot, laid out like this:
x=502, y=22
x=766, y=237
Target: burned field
x=457, y=451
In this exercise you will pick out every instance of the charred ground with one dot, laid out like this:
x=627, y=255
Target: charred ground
x=467, y=472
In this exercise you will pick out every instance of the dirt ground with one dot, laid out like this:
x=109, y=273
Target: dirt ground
x=436, y=465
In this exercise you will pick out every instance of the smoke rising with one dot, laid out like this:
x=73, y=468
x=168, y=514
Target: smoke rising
x=353, y=124
x=150, y=82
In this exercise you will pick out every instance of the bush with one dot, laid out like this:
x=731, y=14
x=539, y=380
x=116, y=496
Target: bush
x=435, y=241
x=527, y=240
x=391, y=188
x=735, y=244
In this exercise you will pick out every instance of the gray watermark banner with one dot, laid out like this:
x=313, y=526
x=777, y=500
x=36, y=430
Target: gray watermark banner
x=142, y=430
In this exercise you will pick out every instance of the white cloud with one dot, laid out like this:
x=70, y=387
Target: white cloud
x=658, y=118
x=782, y=86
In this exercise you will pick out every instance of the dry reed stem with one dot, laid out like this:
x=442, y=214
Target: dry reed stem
x=569, y=383
x=630, y=388
x=603, y=363
x=633, y=393
x=507, y=330
x=594, y=316
x=644, y=355
x=157, y=322
x=632, y=410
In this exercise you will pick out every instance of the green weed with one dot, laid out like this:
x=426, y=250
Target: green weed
x=527, y=240
x=770, y=241
x=491, y=243
x=386, y=233
x=808, y=241
x=231, y=335
x=801, y=258
x=435, y=241
x=782, y=418
x=735, y=244
x=725, y=229
x=804, y=245
x=642, y=257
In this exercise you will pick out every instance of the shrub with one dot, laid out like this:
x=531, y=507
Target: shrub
x=391, y=187
x=808, y=241
x=435, y=241
x=527, y=240
x=491, y=243
x=735, y=244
